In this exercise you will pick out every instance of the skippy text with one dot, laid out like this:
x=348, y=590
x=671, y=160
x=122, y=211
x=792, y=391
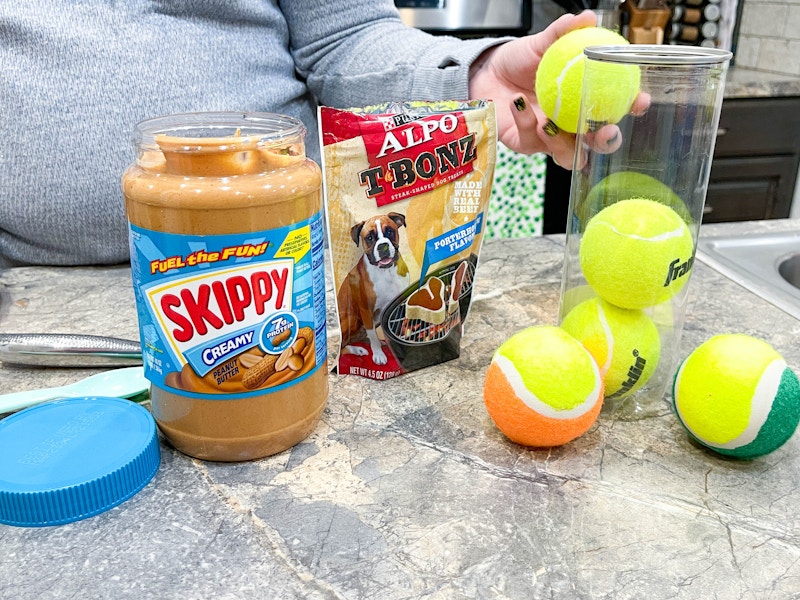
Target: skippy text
x=222, y=302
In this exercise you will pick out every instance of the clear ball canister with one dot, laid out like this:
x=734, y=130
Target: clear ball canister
x=226, y=240
x=636, y=203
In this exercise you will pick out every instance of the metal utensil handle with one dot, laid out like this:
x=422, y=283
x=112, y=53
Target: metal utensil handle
x=68, y=350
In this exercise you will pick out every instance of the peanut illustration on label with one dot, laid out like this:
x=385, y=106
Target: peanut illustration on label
x=252, y=369
x=255, y=376
x=281, y=337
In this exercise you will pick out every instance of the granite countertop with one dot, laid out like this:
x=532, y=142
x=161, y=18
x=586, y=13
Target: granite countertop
x=407, y=490
x=748, y=83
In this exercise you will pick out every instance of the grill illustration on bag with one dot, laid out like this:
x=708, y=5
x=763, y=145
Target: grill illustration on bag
x=416, y=330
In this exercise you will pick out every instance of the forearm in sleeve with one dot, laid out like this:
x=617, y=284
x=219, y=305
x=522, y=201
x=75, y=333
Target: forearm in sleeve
x=359, y=53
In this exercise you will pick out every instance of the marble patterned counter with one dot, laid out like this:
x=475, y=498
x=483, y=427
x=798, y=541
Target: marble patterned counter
x=407, y=490
x=749, y=83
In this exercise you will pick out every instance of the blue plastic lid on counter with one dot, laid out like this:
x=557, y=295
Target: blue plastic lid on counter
x=70, y=459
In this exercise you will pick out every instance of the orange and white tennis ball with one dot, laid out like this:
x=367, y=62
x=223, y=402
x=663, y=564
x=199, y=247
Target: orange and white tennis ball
x=543, y=388
x=611, y=87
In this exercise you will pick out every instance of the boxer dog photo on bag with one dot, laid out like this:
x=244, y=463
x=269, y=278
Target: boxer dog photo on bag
x=378, y=278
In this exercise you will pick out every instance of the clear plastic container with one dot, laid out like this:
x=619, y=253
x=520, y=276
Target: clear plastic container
x=638, y=256
x=226, y=235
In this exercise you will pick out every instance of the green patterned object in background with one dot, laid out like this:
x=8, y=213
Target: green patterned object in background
x=517, y=201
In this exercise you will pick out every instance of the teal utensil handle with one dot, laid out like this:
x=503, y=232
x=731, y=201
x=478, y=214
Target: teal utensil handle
x=19, y=400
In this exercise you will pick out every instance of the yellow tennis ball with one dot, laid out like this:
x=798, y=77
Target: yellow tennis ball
x=622, y=185
x=625, y=343
x=735, y=395
x=573, y=296
x=560, y=79
x=662, y=315
x=543, y=388
x=636, y=253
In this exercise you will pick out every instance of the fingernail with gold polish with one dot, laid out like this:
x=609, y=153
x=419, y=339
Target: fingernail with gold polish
x=551, y=129
x=519, y=104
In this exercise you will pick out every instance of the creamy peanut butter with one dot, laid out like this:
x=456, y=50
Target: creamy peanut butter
x=226, y=232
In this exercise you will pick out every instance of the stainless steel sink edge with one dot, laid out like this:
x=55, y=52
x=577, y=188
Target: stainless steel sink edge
x=752, y=262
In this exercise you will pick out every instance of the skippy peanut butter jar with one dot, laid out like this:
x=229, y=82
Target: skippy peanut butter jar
x=226, y=237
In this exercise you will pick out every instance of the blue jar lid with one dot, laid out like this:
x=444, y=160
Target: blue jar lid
x=66, y=460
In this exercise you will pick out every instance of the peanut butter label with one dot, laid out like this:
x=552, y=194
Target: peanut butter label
x=231, y=314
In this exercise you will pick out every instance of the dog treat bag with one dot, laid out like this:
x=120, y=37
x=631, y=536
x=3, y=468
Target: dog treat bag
x=407, y=189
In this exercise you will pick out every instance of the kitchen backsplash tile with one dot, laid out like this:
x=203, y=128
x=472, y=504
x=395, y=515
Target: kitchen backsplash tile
x=769, y=36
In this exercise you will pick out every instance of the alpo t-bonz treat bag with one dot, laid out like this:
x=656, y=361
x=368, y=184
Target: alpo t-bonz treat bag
x=407, y=190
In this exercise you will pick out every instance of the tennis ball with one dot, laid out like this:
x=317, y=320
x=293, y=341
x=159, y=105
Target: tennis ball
x=622, y=185
x=543, y=388
x=663, y=316
x=735, y=395
x=612, y=87
x=571, y=297
x=636, y=253
x=625, y=343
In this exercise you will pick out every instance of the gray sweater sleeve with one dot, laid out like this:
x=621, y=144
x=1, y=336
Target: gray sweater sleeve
x=359, y=53
x=76, y=78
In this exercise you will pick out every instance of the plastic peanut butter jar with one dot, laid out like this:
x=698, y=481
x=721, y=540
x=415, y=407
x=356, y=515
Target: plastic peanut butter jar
x=226, y=237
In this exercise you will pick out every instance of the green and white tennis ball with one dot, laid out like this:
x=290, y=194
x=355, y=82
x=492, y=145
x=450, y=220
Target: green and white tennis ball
x=625, y=343
x=735, y=395
x=560, y=79
x=636, y=253
x=543, y=388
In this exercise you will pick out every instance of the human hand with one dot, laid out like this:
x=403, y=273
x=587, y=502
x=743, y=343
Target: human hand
x=507, y=73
